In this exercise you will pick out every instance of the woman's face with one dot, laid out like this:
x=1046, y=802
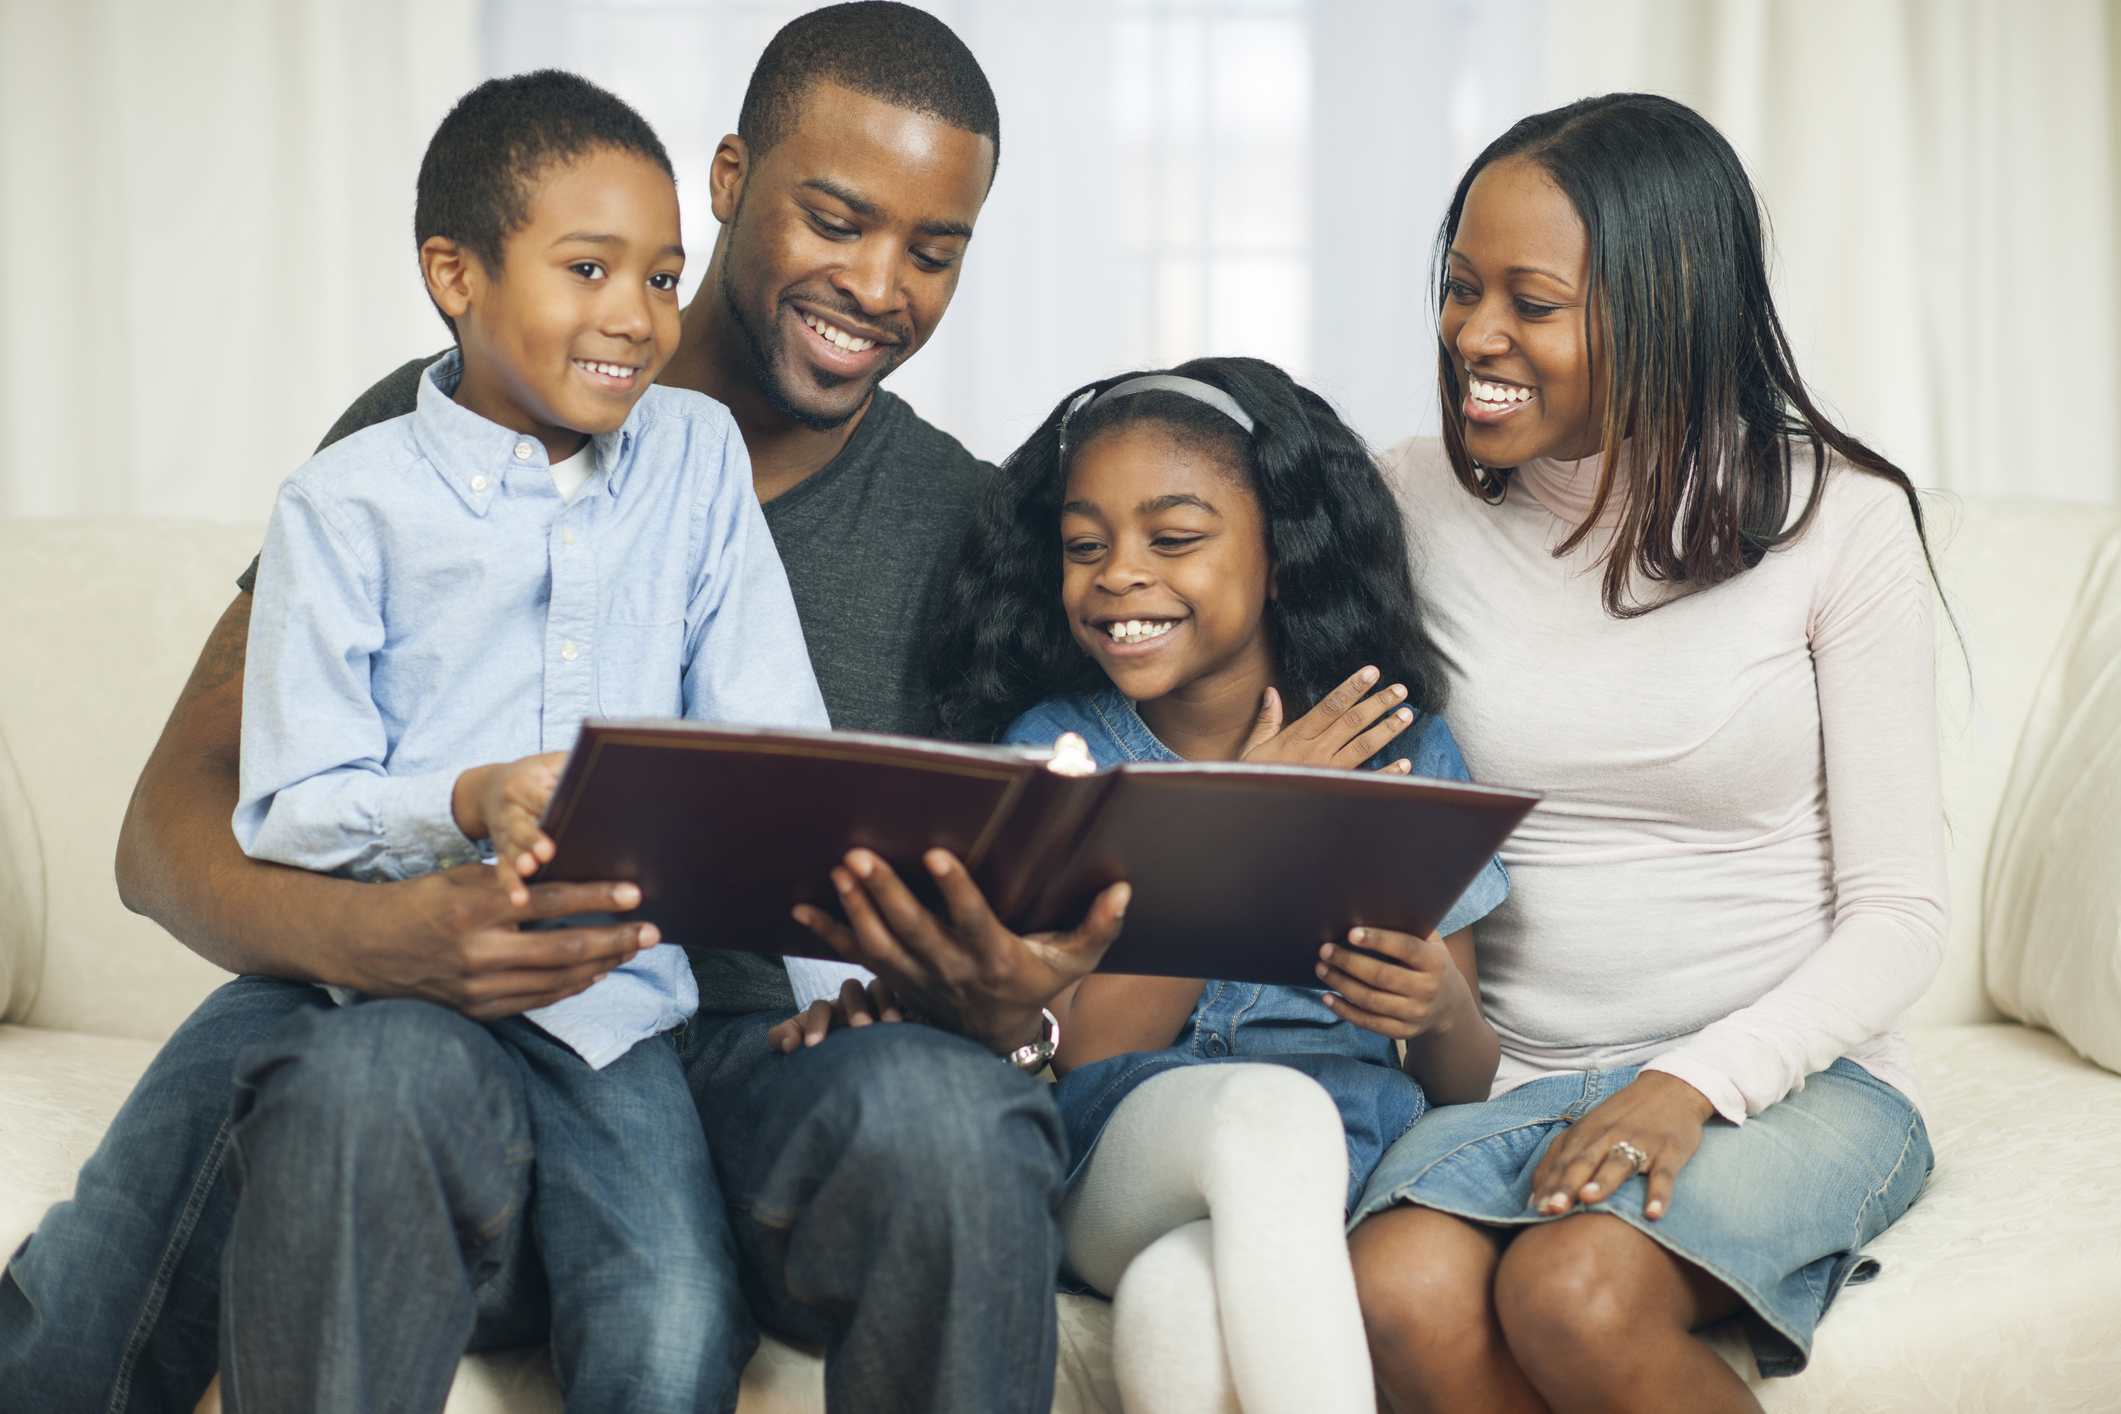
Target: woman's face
x=1165, y=569
x=1514, y=319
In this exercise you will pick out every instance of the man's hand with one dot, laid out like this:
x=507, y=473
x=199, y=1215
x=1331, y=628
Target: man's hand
x=455, y=938
x=971, y=975
x=855, y=1006
x=502, y=803
x=1344, y=730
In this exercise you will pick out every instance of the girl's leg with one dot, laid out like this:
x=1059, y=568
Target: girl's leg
x=1427, y=1282
x=1258, y=1148
x=1167, y=1337
x=1602, y=1318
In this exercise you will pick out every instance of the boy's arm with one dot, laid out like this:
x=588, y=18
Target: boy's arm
x=450, y=938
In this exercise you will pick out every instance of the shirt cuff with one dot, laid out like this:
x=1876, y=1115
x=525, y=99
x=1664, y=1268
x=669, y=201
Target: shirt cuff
x=419, y=826
x=1721, y=1090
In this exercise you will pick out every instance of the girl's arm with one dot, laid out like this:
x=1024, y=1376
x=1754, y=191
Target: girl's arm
x=1108, y=1015
x=1429, y=997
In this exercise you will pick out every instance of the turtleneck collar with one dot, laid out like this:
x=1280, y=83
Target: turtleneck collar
x=1567, y=489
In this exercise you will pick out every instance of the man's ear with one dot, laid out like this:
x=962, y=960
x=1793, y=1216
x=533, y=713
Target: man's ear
x=452, y=272
x=726, y=175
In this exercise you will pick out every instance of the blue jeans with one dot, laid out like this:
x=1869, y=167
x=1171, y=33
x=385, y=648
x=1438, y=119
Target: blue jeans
x=112, y=1304
x=893, y=1192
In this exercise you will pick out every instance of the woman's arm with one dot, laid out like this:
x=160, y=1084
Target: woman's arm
x=451, y=937
x=1872, y=650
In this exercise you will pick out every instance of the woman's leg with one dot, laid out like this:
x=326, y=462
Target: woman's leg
x=1427, y=1283
x=1259, y=1149
x=1599, y=1317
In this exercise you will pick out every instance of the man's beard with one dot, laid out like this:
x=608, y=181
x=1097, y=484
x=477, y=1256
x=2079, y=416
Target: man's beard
x=770, y=375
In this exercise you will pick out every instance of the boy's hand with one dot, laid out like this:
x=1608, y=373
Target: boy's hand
x=1344, y=730
x=502, y=803
x=855, y=1006
x=1393, y=1000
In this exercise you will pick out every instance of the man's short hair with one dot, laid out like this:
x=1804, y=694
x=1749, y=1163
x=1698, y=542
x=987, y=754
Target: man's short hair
x=890, y=52
x=480, y=173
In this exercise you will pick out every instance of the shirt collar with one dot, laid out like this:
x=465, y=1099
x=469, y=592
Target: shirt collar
x=475, y=456
x=1116, y=711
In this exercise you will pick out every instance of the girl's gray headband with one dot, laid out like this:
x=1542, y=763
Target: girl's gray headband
x=1192, y=388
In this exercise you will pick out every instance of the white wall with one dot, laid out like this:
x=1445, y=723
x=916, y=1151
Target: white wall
x=205, y=207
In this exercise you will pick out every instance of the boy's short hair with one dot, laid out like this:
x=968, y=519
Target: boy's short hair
x=482, y=165
x=890, y=52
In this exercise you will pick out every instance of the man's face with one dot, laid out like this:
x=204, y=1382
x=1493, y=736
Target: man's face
x=844, y=244
x=583, y=313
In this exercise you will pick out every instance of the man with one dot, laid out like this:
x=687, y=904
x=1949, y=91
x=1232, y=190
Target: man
x=891, y=1190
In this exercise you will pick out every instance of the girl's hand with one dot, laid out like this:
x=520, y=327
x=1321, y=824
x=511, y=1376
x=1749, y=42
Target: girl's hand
x=854, y=1006
x=1660, y=1115
x=1399, y=999
x=1343, y=730
x=502, y=803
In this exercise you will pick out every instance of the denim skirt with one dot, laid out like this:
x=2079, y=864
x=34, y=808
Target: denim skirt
x=1778, y=1208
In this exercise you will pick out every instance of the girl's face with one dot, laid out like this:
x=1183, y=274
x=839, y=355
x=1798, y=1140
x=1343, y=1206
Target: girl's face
x=1514, y=319
x=1166, y=573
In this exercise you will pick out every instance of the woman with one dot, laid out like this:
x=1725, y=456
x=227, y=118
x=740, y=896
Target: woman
x=1696, y=613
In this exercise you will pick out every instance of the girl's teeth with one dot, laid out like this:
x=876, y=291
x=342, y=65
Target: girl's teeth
x=1139, y=630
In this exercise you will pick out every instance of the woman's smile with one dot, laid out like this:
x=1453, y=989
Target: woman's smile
x=1491, y=401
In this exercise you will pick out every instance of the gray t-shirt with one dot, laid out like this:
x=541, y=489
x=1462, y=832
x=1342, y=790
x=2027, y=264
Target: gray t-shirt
x=868, y=541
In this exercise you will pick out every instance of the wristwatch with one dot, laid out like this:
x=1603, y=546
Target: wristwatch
x=1036, y=1056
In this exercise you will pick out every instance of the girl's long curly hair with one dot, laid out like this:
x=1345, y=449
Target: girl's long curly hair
x=1339, y=549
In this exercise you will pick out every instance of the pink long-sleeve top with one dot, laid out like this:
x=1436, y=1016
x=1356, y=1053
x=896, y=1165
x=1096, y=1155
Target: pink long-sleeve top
x=1737, y=874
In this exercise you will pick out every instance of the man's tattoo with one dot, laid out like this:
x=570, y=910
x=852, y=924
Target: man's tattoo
x=221, y=661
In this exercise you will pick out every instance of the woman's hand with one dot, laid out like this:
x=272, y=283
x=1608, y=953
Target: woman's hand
x=1343, y=730
x=970, y=975
x=1660, y=1115
x=855, y=1006
x=1399, y=999
x=502, y=803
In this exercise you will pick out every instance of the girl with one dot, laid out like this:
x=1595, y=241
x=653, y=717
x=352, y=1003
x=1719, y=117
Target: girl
x=1698, y=615
x=1174, y=567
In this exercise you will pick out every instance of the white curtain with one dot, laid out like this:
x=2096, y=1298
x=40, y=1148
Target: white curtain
x=206, y=237
x=205, y=207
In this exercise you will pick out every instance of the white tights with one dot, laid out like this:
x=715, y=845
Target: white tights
x=1212, y=1213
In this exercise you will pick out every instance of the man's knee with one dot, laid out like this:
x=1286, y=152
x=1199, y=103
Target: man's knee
x=376, y=1069
x=930, y=1113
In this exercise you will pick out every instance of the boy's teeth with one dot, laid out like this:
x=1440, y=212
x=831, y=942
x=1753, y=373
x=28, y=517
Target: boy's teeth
x=837, y=336
x=609, y=370
x=1139, y=630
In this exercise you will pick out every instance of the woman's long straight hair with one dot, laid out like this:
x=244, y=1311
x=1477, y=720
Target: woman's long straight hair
x=1701, y=395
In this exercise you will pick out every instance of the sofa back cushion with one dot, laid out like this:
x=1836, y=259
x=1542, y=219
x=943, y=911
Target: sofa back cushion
x=21, y=895
x=2011, y=569
x=106, y=619
x=2053, y=924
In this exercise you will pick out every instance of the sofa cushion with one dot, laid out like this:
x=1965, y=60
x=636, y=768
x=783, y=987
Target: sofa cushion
x=21, y=895
x=2053, y=897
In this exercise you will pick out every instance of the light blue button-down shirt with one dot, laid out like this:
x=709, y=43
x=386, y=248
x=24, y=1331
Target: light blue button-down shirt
x=426, y=603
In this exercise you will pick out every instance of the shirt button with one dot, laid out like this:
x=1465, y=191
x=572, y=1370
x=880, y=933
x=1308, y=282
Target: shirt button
x=523, y=451
x=478, y=483
x=567, y=651
x=567, y=537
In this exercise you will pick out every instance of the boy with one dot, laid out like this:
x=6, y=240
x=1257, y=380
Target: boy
x=545, y=537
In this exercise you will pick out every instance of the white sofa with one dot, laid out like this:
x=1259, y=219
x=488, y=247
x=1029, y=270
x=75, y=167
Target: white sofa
x=2001, y=1289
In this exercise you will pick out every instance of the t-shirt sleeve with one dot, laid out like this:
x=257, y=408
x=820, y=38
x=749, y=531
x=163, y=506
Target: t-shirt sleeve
x=393, y=395
x=1436, y=757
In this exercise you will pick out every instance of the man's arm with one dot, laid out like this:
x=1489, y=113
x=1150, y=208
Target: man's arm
x=450, y=937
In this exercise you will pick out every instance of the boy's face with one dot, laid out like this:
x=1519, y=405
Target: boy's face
x=563, y=339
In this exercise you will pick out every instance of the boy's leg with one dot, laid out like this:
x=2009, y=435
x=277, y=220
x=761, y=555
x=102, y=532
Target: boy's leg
x=892, y=1192
x=647, y=1312
x=381, y=1161
x=112, y=1303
